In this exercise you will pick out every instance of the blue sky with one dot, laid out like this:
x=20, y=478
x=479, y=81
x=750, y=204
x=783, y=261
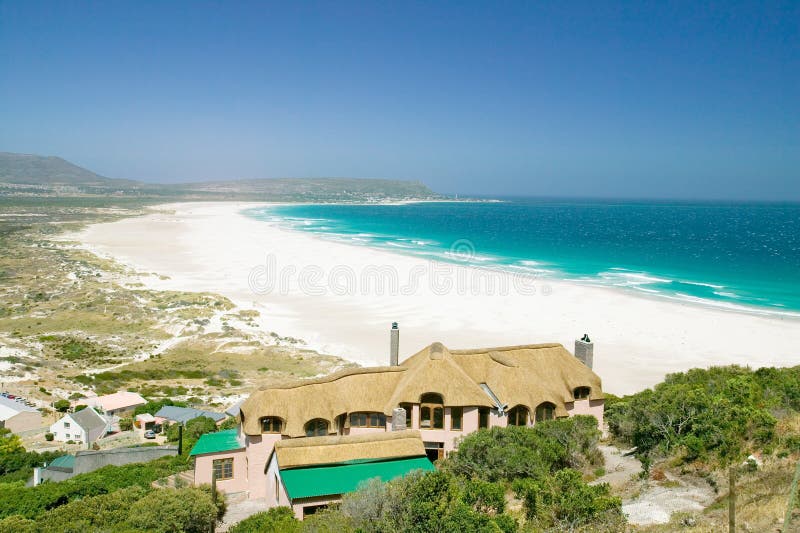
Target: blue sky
x=642, y=99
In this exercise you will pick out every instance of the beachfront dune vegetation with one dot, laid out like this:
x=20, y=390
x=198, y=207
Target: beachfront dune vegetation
x=71, y=320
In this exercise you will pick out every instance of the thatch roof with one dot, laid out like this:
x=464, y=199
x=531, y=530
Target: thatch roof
x=518, y=375
x=293, y=453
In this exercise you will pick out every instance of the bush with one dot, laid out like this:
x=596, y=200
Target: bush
x=564, y=498
x=30, y=502
x=49, y=437
x=126, y=424
x=721, y=414
x=61, y=405
x=168, y=510
x=522, y=452
x=276, y=520
x=421, y=502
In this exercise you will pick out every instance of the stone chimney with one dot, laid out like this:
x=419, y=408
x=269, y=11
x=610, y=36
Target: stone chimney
x=584, y=350
x=398, y=419
x=394, y=345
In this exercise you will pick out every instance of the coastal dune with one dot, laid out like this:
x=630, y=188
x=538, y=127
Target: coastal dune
x=341, y=299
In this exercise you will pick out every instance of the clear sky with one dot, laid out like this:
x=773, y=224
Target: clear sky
x=646, y=99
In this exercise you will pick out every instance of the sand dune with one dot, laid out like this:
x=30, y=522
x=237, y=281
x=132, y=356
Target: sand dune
x=330, y=295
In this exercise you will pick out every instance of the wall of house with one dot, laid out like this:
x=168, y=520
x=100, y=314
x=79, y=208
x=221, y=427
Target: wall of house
x=300, y=504
x=204, y=468
x=23, y=421
x=60, y=430
x=274, y=482
x=259, y=448
x=596, y=408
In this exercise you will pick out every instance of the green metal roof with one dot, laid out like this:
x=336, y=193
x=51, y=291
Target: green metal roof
x=66, y=462
x=221, y=441
x=341, y=478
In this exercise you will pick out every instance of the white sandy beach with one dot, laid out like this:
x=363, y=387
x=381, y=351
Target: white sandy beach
x=311, y=288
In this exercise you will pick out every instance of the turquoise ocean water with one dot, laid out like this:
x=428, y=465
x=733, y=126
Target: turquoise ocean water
x=739, y=256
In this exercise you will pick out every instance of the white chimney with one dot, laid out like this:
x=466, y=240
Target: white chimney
x=394, y=345
x=584, y=350
x=398, y=419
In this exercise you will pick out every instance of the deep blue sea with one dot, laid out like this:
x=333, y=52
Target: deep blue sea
x=740, y=256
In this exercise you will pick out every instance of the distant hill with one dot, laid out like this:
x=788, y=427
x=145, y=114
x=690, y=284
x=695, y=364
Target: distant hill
x=29, y=175
x=49, y=170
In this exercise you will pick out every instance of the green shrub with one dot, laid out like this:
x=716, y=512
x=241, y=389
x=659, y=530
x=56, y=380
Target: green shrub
x=30, y=502
x=276, y=520
x=515, y=452
x=564, y=498
x=720, y=414
x=168, y=510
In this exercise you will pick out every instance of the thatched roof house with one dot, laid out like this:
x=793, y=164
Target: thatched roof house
x=494, y=378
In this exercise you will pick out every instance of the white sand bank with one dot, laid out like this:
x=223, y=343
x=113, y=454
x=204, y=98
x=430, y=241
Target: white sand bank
x=313, y=289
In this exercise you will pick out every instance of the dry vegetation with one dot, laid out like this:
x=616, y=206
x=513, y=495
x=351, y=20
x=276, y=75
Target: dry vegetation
x=71, y=321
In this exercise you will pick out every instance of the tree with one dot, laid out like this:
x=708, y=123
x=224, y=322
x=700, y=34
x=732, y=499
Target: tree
x=61, y=405
x=9, y=442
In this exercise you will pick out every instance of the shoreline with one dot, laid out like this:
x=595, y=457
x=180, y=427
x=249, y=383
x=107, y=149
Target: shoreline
x=546, y=274
x=212, y=247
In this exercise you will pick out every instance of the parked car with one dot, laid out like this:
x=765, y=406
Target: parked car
x=149, y=434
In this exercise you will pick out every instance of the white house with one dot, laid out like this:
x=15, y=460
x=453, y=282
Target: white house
x=85, y=426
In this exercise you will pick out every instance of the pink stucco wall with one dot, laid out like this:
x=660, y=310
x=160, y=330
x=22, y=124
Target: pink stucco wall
x=588, y=407
x=203, y=469
x=259, y=448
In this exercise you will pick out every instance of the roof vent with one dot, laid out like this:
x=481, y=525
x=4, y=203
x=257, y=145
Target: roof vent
x=437, y=350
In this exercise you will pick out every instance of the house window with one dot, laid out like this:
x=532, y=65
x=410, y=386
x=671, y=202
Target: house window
x=317, y=428
x=483, y=417
x=434, y=450
x=582, y=393
x=545, y=411
x=367, y=420
x=456, y=418
x=67, y=435
x=66, y=425
x=223, y=468
x=277, y=490
x=271, y=424
x=518, y=416
x=431, y=411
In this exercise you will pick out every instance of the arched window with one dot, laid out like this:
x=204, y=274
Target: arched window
x=431, y=411
x=545, y=411
x=271, y=424
x=316, y=428
x=582, y=393
x=518, y=416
